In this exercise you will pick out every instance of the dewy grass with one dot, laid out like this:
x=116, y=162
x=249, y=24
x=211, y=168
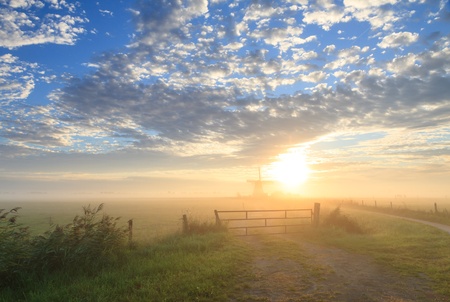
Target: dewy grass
x=179, y=268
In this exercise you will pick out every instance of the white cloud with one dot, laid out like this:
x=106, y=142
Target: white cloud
x=259, y=11
x=329, y=48
x=19, y=28
x=234, y=46
x=381, y=14
x=301, y=54
x=398, y=40
x=368, y=3
x=105, y=12
x=16, y=78
x=314, y=77
x=326, y=18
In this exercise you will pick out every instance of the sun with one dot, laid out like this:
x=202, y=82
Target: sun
x=290, y=169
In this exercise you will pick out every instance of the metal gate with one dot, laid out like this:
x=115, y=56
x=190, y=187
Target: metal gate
x=265, y=221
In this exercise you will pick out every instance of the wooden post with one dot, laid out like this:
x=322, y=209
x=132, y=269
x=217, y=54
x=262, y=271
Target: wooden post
x=316, y=214
x=391, y=205
x=435, y=208
x=218, y=222
x=375, y=203
x=362, y=202
x=130, y=231
x=185, y=224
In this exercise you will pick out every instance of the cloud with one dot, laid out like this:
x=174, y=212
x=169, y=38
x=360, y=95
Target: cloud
x=32, y=22
x=399, y=39
x=381, y=14
x=195, y=104
x=368, y=4
x=190, y=88
x=159, y=21
x=326, y=17
x=106, y=12
x=16, y=78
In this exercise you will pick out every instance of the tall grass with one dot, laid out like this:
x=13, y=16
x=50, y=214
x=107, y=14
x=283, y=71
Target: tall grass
x=15, y=246
x=194, y=267
x=88, y=243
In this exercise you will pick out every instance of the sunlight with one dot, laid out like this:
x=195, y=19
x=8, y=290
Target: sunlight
x=291, y=169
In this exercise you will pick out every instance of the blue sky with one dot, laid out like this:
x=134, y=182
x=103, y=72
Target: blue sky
x=187, y=98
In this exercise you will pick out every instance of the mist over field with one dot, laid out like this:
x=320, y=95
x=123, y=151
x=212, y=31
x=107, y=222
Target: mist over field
x=156, y=217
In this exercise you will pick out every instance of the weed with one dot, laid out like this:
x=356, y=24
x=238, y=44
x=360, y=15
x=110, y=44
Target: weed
x=87, y=244
x=14, y=246
x=202, y=227
x=337, y=219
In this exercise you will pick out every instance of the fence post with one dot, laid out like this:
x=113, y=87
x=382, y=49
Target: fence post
x=185, y=224
x=316, y=214
x=391, y=205
x=218, y=222
x=130, y=231
x=435, y=208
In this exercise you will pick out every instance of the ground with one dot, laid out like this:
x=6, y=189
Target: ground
x=302, y=271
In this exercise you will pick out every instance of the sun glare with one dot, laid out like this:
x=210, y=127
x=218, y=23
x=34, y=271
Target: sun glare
x=291, y=169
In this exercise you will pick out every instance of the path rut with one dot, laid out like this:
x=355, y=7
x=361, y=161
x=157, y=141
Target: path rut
x=303, y=271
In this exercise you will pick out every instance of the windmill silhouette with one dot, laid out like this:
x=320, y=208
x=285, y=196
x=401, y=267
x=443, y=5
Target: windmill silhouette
x=258, y=185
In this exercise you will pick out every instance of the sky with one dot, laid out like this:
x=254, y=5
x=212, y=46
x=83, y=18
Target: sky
x=187, y=98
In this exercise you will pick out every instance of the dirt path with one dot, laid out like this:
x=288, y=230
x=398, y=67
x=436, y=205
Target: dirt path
x=285, y=268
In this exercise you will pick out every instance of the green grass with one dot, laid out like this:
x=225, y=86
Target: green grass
x=178, y=268
x=210, y=265
x=419, y=212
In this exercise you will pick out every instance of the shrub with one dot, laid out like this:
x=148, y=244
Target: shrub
x=15, y=246
x=335, y=218
x=87, y=243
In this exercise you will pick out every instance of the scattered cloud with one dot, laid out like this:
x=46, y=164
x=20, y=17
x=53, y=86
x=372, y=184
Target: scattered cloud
x=37, y=22
x=194, y=82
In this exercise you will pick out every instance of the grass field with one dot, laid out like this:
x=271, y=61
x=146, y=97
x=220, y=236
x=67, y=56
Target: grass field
x=167, y=266
x=152, y=218
x=158, y=217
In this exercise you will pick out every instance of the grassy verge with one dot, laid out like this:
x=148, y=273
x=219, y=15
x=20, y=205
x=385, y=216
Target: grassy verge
x=413, y=249
x=442, y=216
x=89, y=260
x=179, y=268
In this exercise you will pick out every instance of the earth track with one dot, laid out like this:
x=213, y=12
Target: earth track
x=286, y=268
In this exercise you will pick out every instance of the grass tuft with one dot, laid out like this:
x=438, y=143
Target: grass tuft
x=337, y=219
x=203, y=227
